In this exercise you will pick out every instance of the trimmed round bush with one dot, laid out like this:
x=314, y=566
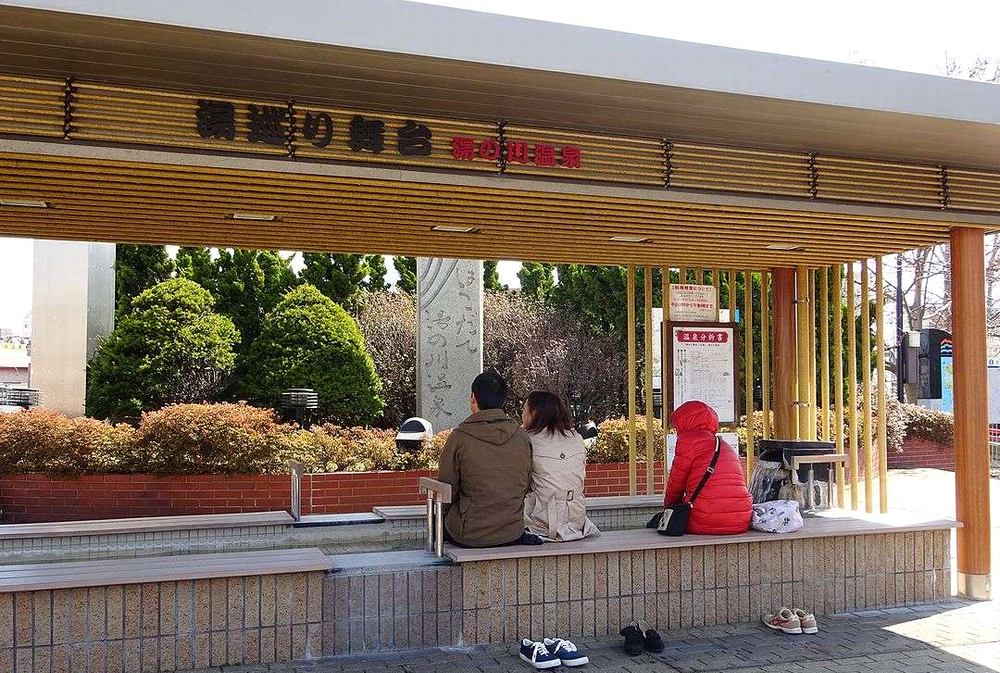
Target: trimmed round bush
x=169, y=347
x=308, y=341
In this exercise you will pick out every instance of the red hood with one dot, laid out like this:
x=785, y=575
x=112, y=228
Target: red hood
x=695, y=415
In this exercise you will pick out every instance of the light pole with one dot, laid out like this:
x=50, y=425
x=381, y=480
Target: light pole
x=899, y=328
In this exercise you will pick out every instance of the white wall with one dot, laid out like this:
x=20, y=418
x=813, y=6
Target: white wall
x=72, y=307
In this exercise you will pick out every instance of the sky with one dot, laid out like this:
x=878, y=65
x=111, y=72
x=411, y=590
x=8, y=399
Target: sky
x=916, y=36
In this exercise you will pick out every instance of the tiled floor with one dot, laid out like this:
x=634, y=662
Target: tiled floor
x=955, y=636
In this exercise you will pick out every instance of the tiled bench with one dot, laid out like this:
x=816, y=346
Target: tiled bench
x=838, y=562
x=162, y=614
x=142, y=536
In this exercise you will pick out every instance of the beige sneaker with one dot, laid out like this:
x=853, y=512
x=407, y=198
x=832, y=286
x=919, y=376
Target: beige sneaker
x=785, y=621
x=807, y=621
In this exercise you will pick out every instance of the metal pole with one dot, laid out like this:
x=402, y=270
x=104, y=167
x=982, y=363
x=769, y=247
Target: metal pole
x=297, y=468
x=430, y=521
x=900, y=395
x=438, y=528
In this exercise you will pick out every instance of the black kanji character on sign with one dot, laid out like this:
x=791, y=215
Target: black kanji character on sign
x=310, y=129
x=216, y=119
x=414, y=140
x=367, y=134
x=267, y=125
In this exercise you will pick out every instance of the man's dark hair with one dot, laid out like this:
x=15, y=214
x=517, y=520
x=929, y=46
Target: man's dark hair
x=490, y=391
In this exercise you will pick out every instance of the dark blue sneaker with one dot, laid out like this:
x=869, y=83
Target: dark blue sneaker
x=568, y=653
x=538, y=655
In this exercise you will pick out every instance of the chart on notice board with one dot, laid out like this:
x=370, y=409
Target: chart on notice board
x=704, y=368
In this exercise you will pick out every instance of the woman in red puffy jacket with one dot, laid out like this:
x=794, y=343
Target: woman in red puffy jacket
x=724, y=506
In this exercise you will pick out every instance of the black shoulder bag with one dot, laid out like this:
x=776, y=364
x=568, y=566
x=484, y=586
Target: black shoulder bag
x=673, y=520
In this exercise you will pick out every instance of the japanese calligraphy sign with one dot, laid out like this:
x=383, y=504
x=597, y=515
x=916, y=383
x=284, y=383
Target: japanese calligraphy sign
x=701, y=365
x=342, y=134
x=449, y=338
x=693, y=303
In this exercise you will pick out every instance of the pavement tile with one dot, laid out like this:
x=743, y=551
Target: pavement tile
x=951, y=637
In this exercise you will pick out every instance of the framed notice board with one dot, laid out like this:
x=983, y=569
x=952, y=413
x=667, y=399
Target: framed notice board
x=700, y=364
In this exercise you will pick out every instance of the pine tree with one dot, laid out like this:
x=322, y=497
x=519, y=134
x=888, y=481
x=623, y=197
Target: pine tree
x=537, y=280
x=339, y=277
x=196, y=264
x=247, y=285
x=376, y=274
x=406, y=267
x=491, y=279
x=138, y=268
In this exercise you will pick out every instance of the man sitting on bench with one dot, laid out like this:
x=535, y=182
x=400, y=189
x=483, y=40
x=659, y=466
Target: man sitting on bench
x=487, y=461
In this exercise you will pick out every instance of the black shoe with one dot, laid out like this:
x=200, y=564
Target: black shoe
x=634, y=641
x=651, y=639
x=530, y=539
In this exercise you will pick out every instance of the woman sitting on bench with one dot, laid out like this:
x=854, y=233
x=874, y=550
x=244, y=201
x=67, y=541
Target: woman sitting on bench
x=555, y=508
x=724, y=506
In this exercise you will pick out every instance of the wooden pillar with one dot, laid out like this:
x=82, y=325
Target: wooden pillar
x=972, y=458
x=784, y=354
x=630, y=377
x=647, y=354
x=807, y=424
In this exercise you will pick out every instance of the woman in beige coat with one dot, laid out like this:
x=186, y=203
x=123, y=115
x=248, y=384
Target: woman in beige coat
x=555, y=508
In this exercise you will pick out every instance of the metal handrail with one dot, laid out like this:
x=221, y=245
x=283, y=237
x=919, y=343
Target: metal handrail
x=298, y=469
x=438, y=495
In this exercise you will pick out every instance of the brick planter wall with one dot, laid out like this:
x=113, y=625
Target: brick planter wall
x=918, y=453
x=28, y=498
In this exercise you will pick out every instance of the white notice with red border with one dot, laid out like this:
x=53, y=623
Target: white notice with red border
x=704, y=368
x=693, y=303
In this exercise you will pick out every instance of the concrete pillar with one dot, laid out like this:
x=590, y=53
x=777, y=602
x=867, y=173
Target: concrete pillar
x=972, y=456
x=449, y=338
x=784, y=352
x=72, y=306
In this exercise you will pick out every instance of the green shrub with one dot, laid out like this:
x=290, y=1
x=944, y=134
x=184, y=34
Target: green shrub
x=210, y=439
x=308, y=341
x=929, y=425
x=169, y=347
x=612, y=442
x=41, y=440
x=367, y=449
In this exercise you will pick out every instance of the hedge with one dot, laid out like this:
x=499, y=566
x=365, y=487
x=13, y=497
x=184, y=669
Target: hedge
x=242, y=439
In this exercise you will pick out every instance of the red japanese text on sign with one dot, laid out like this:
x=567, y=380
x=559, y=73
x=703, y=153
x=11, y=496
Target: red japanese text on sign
x=466, y=148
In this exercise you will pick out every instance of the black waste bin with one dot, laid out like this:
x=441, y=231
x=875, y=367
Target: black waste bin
x=783, y=450
x=773, y=473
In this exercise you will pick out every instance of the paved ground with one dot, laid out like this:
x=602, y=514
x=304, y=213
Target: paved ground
x=956, y=636
x=909, y=491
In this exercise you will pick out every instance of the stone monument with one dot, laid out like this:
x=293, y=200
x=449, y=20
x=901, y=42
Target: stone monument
x=449, y=338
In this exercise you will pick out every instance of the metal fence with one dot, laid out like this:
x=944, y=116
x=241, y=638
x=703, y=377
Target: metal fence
x=995, y=449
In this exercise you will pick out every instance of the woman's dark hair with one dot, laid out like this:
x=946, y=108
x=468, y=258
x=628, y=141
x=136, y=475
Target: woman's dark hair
x=548, y=413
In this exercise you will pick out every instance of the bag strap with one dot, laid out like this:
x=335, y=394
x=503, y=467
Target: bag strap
x=708, y=472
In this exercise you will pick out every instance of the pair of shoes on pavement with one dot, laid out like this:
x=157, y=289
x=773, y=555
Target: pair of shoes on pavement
x=552, y=652
x=640, y=636
x=792, y=621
